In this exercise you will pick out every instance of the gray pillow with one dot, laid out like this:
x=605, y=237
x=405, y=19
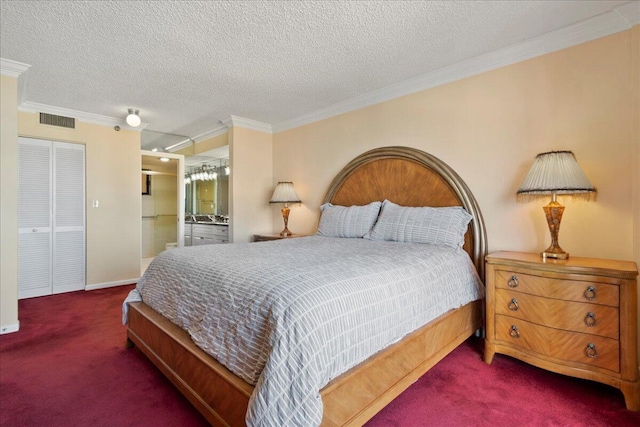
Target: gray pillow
x=352, y=221
x=437, y=226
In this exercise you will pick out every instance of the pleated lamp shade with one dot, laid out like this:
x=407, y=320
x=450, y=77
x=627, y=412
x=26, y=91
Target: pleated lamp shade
x=284, y=193
x=555, y=172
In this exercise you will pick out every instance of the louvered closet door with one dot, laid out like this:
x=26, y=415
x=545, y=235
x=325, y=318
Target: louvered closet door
x=68, y=218
x=34, y=217
x=51, y=207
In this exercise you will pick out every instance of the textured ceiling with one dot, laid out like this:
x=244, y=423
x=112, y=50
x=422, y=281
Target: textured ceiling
x=187, y=65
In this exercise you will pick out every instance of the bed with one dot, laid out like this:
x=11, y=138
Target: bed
x=408, y=177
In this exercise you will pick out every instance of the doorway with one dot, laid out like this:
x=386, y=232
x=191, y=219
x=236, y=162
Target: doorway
x=162, y=185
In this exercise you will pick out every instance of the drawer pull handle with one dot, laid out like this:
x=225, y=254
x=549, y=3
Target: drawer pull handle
x=590, y=319
x=590, y=293
x=514, y=332
x=513, y=282
x=591, y=351
x=513, y=305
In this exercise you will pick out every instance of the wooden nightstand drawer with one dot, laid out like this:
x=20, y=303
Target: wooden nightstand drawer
x=573, y=316
x=569, y=290
x=559, y=344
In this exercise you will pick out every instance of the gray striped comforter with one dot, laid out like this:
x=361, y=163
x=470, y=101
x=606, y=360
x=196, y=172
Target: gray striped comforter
x=290, y=315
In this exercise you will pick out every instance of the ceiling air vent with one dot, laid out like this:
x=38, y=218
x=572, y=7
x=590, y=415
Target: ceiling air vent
x=61, y=121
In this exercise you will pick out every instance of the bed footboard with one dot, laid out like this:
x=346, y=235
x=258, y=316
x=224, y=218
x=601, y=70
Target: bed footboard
x=219, y=395
x=349, y=400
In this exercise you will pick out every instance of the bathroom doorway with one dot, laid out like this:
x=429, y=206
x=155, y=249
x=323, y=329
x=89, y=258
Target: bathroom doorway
x=162, y=192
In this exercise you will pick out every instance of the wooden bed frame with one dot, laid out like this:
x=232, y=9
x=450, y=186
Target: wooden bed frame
x=406, y=176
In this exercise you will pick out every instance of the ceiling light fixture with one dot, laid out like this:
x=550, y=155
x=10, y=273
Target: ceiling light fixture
x=133, y=119
x=164, y=159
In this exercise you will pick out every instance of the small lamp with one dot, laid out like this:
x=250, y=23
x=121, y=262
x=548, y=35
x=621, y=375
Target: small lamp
x=553, y=173
x=133, y=119
x=285, y=193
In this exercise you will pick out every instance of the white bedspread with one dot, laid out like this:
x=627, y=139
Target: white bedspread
x=290, y=315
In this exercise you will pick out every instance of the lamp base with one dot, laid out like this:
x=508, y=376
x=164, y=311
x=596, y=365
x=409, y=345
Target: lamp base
x=285, y=217
x=555, y=255
x=553, y=211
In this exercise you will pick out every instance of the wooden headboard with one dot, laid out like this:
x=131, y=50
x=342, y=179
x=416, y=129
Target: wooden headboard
x=409, y=177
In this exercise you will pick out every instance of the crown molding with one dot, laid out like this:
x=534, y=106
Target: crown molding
x=179, y=146
x=19, y=71
x=248, y=124
x=619, y=19
x=13, y=68
x=34, y=107
x=216, y=131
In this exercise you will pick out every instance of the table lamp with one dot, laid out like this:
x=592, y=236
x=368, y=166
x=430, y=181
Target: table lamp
x=554, y=173
x=285, y=193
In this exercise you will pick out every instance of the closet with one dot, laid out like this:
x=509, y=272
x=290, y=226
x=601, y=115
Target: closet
x=51, y=217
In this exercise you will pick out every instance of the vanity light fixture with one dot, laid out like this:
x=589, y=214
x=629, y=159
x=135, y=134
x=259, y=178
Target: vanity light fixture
x=555, y=173
x=285, y=193
x=133, y=119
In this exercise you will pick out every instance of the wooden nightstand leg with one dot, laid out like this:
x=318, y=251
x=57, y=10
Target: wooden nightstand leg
x=631, y=393
x=489, y=352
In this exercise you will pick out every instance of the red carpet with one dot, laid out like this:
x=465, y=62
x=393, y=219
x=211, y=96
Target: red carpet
x=67, y=366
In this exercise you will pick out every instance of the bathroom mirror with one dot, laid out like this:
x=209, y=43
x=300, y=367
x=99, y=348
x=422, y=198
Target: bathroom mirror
x=207, y=183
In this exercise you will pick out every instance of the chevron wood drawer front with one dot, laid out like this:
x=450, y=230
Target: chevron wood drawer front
x=562, y=289
x=576, y=317
x=566, y=315
x=565, y=346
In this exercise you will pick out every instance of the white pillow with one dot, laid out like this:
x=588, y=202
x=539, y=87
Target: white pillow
x=352, y=221
x=437, y=226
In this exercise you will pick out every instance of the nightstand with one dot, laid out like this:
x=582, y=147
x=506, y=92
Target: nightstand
x=576, y=317
x=273, y=236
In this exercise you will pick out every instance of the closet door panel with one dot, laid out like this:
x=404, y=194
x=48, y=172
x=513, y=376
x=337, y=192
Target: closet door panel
x=34, y=217
x=69, y=185
x=34, y=183
x=69, y=218
x=34, y=264
x=69, y=266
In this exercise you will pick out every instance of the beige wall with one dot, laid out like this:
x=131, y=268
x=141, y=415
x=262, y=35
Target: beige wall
x=112, y=178
x=489, y=128
x=250, y=183
x=8, y=204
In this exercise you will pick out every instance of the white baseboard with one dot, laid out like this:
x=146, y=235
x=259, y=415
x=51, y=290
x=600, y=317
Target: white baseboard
x=111, y=284
x=7, y=329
